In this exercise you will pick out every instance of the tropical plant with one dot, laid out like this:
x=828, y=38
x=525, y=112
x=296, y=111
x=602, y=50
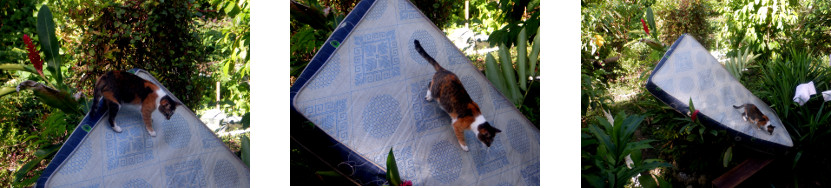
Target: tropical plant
x=614, y=144
x=509, y=77
x=807, y=124
x=54, y=94
x=739, y=63
x=392, y=172
x=518, y=15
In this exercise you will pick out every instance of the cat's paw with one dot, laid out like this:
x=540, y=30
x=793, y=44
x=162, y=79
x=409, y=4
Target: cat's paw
x=152, y=133
x=117, y=129
x=464, y=148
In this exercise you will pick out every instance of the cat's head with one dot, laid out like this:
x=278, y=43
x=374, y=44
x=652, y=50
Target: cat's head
x=167, y=106
x=767, y=124
x=486, y=133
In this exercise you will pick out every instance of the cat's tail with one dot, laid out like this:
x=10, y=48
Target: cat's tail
x=427, y=56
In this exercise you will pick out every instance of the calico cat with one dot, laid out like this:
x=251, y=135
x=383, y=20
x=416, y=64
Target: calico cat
x=755, y=116
x=118, y=88
x=448, y=91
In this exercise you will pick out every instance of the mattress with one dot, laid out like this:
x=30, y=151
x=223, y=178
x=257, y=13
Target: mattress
x=364, y=90
x=184, y=153
x=688, y=72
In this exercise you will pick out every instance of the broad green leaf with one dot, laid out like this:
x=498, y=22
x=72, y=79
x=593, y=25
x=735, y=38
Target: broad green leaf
x=40, y=154
x=522, y=44
x=246, y=120
x=52, y=97
x=650, y=19
x=510, y=74
x=7, y=90
x=17, y=67
x=49, y=44
x=728, y=155
x=494, y=74
x=245, y=150
x=647, y=182
x=27, y=182
x=392, y=170
x=21, y=172
x=535, y=53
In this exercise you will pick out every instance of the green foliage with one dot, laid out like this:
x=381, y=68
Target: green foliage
x=155, y=35
x=687, y=16
x=606, y=28
x=440, y=12
x=392, y=170
x=760, y=25
x=310, y=27
x=518, y=15
x=741, y=62
x=613, y=141
x=811, y=32
x=19, y=129
x=16, y=20
x=592, y=93
x=808, y=125
x=232, y=52
x=57, y=123
x=508, y=79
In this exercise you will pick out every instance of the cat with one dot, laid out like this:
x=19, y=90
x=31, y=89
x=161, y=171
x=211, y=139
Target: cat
x=119, y=88
x=451, y=96
x=755, y=116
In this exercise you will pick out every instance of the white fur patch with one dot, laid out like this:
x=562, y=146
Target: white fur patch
x=428, y=97
x=160, y=94
x=475, y=125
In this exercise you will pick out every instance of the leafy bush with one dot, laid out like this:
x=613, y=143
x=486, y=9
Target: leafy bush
x=606, y=28
x=735, y=65
x=811, y=32
x=760, y=25
x=310, y=27
x=808, y=125
x=16, y=20
x=517, y=15
x=607, y=165
x=687, y=16
x=157, y=36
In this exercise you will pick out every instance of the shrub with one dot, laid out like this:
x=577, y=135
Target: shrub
x=760, y=25
x=687, y=16
x=808, y=125
x=811, y=32
x=156, y=36
x=613, y=142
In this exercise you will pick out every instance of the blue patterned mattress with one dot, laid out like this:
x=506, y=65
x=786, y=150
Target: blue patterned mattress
x=184, y=153
x=364, y=91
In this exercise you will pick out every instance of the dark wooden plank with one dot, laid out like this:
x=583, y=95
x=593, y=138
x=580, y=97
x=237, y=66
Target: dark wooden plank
x=738, y=174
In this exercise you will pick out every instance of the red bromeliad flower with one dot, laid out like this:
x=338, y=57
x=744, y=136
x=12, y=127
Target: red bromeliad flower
x=34, y=57
x=644, y=26
x=694, y=115
x=407, y=183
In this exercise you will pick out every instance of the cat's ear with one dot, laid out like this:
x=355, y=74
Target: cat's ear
x=496, y=130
